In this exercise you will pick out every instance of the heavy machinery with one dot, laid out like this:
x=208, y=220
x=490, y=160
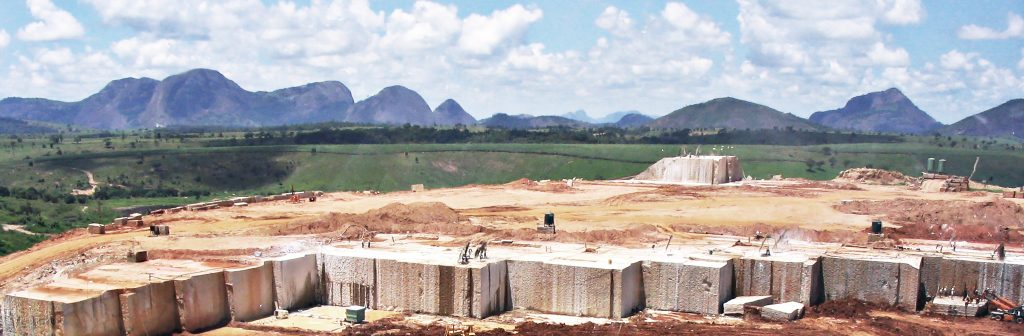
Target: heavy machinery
x=1003, y=309
x=465, y=254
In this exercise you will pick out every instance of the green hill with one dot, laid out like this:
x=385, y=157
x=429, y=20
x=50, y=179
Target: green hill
x=732, y=113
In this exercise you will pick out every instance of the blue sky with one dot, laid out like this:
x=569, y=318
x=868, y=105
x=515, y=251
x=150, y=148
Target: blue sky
x=953, y=58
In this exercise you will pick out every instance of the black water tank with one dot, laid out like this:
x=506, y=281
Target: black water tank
x=549, y=219
x=876, y=226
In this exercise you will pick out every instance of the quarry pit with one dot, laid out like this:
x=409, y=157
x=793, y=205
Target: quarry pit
x=654, y=258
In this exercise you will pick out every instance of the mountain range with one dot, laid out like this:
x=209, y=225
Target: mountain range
x=207, y=97
x=203, y=97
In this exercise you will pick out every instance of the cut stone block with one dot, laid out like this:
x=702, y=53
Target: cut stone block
x=349, y=280
x=25, y=315
x=784, y=277
x=202, y=301
x=150, y=310
x=296, y=281
x=577, y=287
x=781, y=312
x=735, y=306
x=251, y=292
x=885, y=281
x=693, y=286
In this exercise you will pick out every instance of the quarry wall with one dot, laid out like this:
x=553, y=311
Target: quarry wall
x=296, y=281
x=693, y=286
x=150, y=309
x=251, y=292
x=577, y=284
x=202, y=301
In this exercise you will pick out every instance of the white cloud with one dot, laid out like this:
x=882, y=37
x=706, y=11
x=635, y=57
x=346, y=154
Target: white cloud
x=60, y=56
x=615, y=20
x=880, y=55
x=429, y=25
x=692, y=27
x=1014, y=29
x=956, y=60
x=481, y=35
x=902, y=12
x=5, y=39
x=53, y=23
x=798, y=56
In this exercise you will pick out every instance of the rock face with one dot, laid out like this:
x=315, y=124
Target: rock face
x=451, y=113
x=732, y=113
x=196, y=97
x=1007, y=119
x=394, y=105
x=884, y=111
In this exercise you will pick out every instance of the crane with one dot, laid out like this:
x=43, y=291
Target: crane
x=1005, y=310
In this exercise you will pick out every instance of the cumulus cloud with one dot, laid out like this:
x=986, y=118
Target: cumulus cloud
x=1014, y=29
x=691, y=26
x=5, y=39
x=881, y=55
x=428, y=25
x=481, y=35
x=956, y=60
x=902, y=12
x=615, y=20
x=798, y=56
x=52, y=23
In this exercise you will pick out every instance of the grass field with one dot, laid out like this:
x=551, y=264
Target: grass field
x=136, y=161
x=262, y=169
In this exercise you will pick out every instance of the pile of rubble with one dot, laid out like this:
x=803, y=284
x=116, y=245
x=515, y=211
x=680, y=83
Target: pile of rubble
x=875, y=176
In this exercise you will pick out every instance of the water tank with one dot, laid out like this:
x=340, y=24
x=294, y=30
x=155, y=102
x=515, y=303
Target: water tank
x=931, y=164
x=939, y=169
x=876, y=226
x=549, y=219
x=355, y=314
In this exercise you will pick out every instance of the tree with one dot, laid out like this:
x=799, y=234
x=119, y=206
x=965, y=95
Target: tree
x=810, y=164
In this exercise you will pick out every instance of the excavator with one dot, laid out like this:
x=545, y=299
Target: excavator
x=1003, y=309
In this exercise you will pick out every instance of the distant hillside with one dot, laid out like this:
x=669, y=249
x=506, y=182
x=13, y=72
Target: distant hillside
x=633, y=120
x=15, y=126
x=203, y=97
x=730, y=112
x=394, y=105
x=451, y=113
x=502, y=120
x=1007, y=119
x=883, y=111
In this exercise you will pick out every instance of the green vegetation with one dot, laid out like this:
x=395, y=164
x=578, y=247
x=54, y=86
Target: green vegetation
x=162, y=168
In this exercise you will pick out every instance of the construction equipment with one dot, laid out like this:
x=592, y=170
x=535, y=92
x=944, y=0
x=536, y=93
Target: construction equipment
x=466, y=254
x=1004, y=309
x=481, y=251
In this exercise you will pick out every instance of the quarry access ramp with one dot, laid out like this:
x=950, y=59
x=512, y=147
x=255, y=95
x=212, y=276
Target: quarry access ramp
x=165, y=296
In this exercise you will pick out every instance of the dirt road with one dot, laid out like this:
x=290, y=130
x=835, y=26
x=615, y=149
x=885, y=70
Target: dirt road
x=92, y=185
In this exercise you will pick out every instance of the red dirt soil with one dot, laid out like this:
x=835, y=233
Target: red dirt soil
x=943, y=220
